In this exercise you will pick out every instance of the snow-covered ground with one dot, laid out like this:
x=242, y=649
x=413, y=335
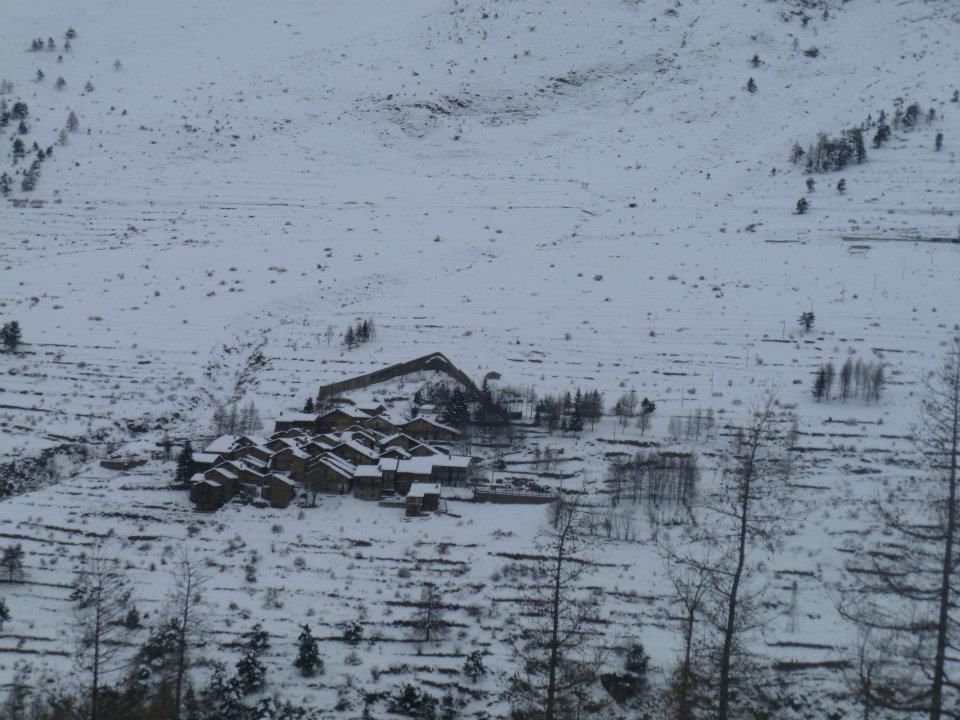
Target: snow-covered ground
x=571, y=193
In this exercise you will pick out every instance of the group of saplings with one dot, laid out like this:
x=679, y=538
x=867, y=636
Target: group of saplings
x=831, y=154
x=11, y=335
x=656, y=477
x=17, y=115
x=568, y=412
x=861, y=380
x=19, y=112
x=358, y=334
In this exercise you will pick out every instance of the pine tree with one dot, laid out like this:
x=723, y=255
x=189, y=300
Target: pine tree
x=308, y=659
x=19, y=111
x=802, y=206
x=88, y=87
x=40, y=75
x=60, y=84
x=185, y=464
x=6, y=184
x=474, y=668
x=4, y=613
x=349, y=338
x=12, y=563
x=251, y=673
x=647, y=408
x=308, y=405
x=10, y=335
x=938, y=143
x=751, y=85
x=70, y=34
x=842, y=186
x=755, y=60
x=72, y=122
x=456, y=412
x=796, y=154
x=575, y=422
x=820, y=385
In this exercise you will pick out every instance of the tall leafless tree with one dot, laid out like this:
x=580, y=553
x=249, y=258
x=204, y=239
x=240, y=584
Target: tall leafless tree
x=753, y=478
x=429, y=618
x=908, y=595
x=103, y=594
x=557, y=657
x=184, y=607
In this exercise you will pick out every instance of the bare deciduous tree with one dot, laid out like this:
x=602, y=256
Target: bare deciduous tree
x=184, y=607
x=103, y=594
x=557, y=661
x=907, y=597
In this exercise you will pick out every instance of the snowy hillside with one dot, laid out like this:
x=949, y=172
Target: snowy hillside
x=572, y=193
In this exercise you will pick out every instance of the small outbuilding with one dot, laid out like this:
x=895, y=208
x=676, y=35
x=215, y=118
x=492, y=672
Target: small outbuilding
x=423, y=497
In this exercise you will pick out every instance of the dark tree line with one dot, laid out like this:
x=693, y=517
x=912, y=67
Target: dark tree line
x=357, y=335
x=693, y=426
x=654, y=477
x=568, y=412
x=831, y=153
x=860, y=380
x=235, y=420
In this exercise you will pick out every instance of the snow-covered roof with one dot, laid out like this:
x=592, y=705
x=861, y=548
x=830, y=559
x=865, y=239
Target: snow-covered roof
x=205, y=458
x=295, y=451
x=359, y=448
x=350, y=411
x=297, y=417
x=225, y=472
x=222, y=444
x=434, y=423
x=372, y=471
x=335, y=462
x=416, y=466
x=421, y=489
x=454, y=461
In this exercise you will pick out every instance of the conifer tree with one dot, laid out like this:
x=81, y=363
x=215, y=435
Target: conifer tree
x=474, y=668
x=11, y=563
x=72, y=122
x=820, y=385
x=251, y=672
x=185, y=464
x=11, y=335
x=308, y=659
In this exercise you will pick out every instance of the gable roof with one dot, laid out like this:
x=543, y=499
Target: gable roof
x=434, y=423
x=337, y=464
x=418, y=490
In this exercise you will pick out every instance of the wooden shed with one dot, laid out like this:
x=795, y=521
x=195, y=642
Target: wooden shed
x=423, y=497
x=278, y=490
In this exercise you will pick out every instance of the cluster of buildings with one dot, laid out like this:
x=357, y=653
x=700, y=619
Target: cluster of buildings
x=350, y=449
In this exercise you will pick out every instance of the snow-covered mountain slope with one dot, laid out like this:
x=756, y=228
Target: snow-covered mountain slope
x=570, y=192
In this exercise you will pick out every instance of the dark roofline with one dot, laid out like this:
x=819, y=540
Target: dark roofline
x=434, y=361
